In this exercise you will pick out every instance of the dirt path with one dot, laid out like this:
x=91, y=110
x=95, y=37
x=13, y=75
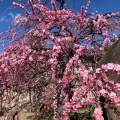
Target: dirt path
x=22, y=116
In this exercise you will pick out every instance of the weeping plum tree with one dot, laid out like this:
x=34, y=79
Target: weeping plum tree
x=52, y=59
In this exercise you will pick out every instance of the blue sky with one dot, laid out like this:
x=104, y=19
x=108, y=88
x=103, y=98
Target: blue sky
x=96, y=6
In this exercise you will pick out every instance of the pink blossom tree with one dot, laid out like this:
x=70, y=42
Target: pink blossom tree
x=56, y=50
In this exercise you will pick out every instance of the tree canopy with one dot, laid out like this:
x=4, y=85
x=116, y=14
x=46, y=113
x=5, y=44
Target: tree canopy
x=56, y=58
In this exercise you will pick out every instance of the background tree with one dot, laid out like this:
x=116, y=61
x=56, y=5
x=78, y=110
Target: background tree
x=54, y=54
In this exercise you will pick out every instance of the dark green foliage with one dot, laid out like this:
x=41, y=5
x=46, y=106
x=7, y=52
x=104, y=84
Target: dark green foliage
x=47, y=116
x=80, y=116
x=73, y=116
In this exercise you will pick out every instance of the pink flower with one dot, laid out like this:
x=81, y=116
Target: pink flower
x=76, y=106
x=6, y=69
x=104, y=67
x=3, y=66
x=30, y=58
x=85, y=73
x=110, y=66
x=98, y=70
x=117, y=68
x=99, y=83
x=98, y=117
x=53, y=5
x=65, y=117
x=106, y=105
x=113, y=14
x=117, y=101
x=88, y=101
x=104, y=29
x=52, y=60
x=115, y=36
x=87, y=38
x=107, y=39
x=112, y=95
x=40, y=58
x=118, y=85
x=103, y=92
x=98, y=113
x=108, y=15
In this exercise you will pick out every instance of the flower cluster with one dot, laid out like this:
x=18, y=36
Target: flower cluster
x=51, y=60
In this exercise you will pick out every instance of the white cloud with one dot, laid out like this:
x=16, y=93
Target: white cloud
x=3, y=19
x=15, y=18
x=19, y=19
x=17, y=15
x=12, y=15
x=7, y=18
